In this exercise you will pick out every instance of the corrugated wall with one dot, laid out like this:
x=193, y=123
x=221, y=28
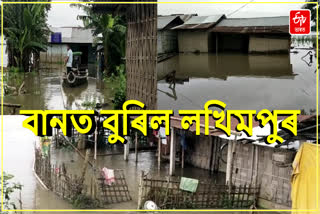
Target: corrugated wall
x=55, y=53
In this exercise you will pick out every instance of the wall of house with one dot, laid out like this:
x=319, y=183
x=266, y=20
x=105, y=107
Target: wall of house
x=167, y=41
x=273, y=179
x=193, y=41
x=233, y=42
x=56, y=53
x=264, y=44
x=203, y=152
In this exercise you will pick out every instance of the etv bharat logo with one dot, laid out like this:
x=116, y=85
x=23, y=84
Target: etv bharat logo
x=300, y=21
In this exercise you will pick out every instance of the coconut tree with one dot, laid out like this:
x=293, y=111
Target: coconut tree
x=110, y=31
x=313, y=9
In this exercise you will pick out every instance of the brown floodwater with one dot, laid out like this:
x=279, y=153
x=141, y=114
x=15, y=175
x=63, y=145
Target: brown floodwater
x=242, y=81
x=18, y=152
x=45, y=91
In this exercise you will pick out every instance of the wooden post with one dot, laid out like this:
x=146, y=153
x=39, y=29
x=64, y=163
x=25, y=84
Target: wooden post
x=217, y=44
x=159, y=152
x=95, y=141
x=231, y=151
x=172, y=152
x=126, y=149
x=182, y=157
x=136, y=146
x=140, y=189
x=229, y=154
x=256, y=166
x=85, y=165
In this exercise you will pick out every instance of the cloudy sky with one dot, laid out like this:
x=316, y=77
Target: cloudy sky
x=64, y=15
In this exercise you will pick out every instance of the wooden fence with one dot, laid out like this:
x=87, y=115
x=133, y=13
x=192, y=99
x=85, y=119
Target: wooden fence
x=67, y=186
x=168, y=195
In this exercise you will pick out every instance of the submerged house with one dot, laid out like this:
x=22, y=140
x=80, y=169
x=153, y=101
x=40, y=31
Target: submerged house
x=78, y=38
x=195, y=36
x=247, y=35
x=245, y=160
x=253, y=35
x=167, y=38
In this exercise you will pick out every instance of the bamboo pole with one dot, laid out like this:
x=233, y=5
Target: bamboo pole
x=95, y=141
x=182, y=157
x=85, y=165
x=136, y=146
x=172, y=152
x=159, y=152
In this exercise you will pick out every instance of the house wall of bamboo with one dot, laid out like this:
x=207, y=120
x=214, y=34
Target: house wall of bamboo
x=141, y=54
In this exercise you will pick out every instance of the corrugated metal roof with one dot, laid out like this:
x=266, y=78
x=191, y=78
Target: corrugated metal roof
x=255, y=22
x=163, y=21
x=73, y=34
x=203, y=19
x=274, y=25
x=200, y=22
x=186, y=17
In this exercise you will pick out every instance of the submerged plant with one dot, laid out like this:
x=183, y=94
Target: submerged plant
x=83, y=201
x=9, y=188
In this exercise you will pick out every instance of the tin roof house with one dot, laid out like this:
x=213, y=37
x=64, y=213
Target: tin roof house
x=78, y=38
x=253, y=35
x=194, y=35
x=167, y=38
x=247, y=35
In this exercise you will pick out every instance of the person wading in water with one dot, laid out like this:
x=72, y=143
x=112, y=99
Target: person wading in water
x=68, y=59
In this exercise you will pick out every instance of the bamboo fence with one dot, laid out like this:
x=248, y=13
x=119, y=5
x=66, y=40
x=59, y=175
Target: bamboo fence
x=68, y=186
x=168, y=195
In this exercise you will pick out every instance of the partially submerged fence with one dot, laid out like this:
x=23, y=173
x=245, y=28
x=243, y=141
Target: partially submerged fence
x=68, y=186
x=168, y=195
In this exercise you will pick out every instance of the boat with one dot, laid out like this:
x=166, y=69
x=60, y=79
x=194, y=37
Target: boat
x=78, y=74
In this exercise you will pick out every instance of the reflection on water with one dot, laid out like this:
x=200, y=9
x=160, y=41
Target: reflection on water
x=45, y=91
x=187, y=81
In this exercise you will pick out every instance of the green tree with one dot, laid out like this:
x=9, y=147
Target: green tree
x=110, y=31
x=8, y=189
x=26, y=33
x=313, y=9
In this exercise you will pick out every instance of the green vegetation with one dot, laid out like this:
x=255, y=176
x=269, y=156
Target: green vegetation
x=83, y=201
x=313, y=8
x=26, y=33
x=304, y=40
x=110, y=31
x=8, y=189
x=120, y=92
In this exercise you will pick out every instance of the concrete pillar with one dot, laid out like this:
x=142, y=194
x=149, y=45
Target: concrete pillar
x=172, y=152
x=159, y=153
x=126, y=149
x=229, y=159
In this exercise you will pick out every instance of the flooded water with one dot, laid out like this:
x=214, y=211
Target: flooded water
x=19, y=158
x=286, y=81
x=45, y=91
